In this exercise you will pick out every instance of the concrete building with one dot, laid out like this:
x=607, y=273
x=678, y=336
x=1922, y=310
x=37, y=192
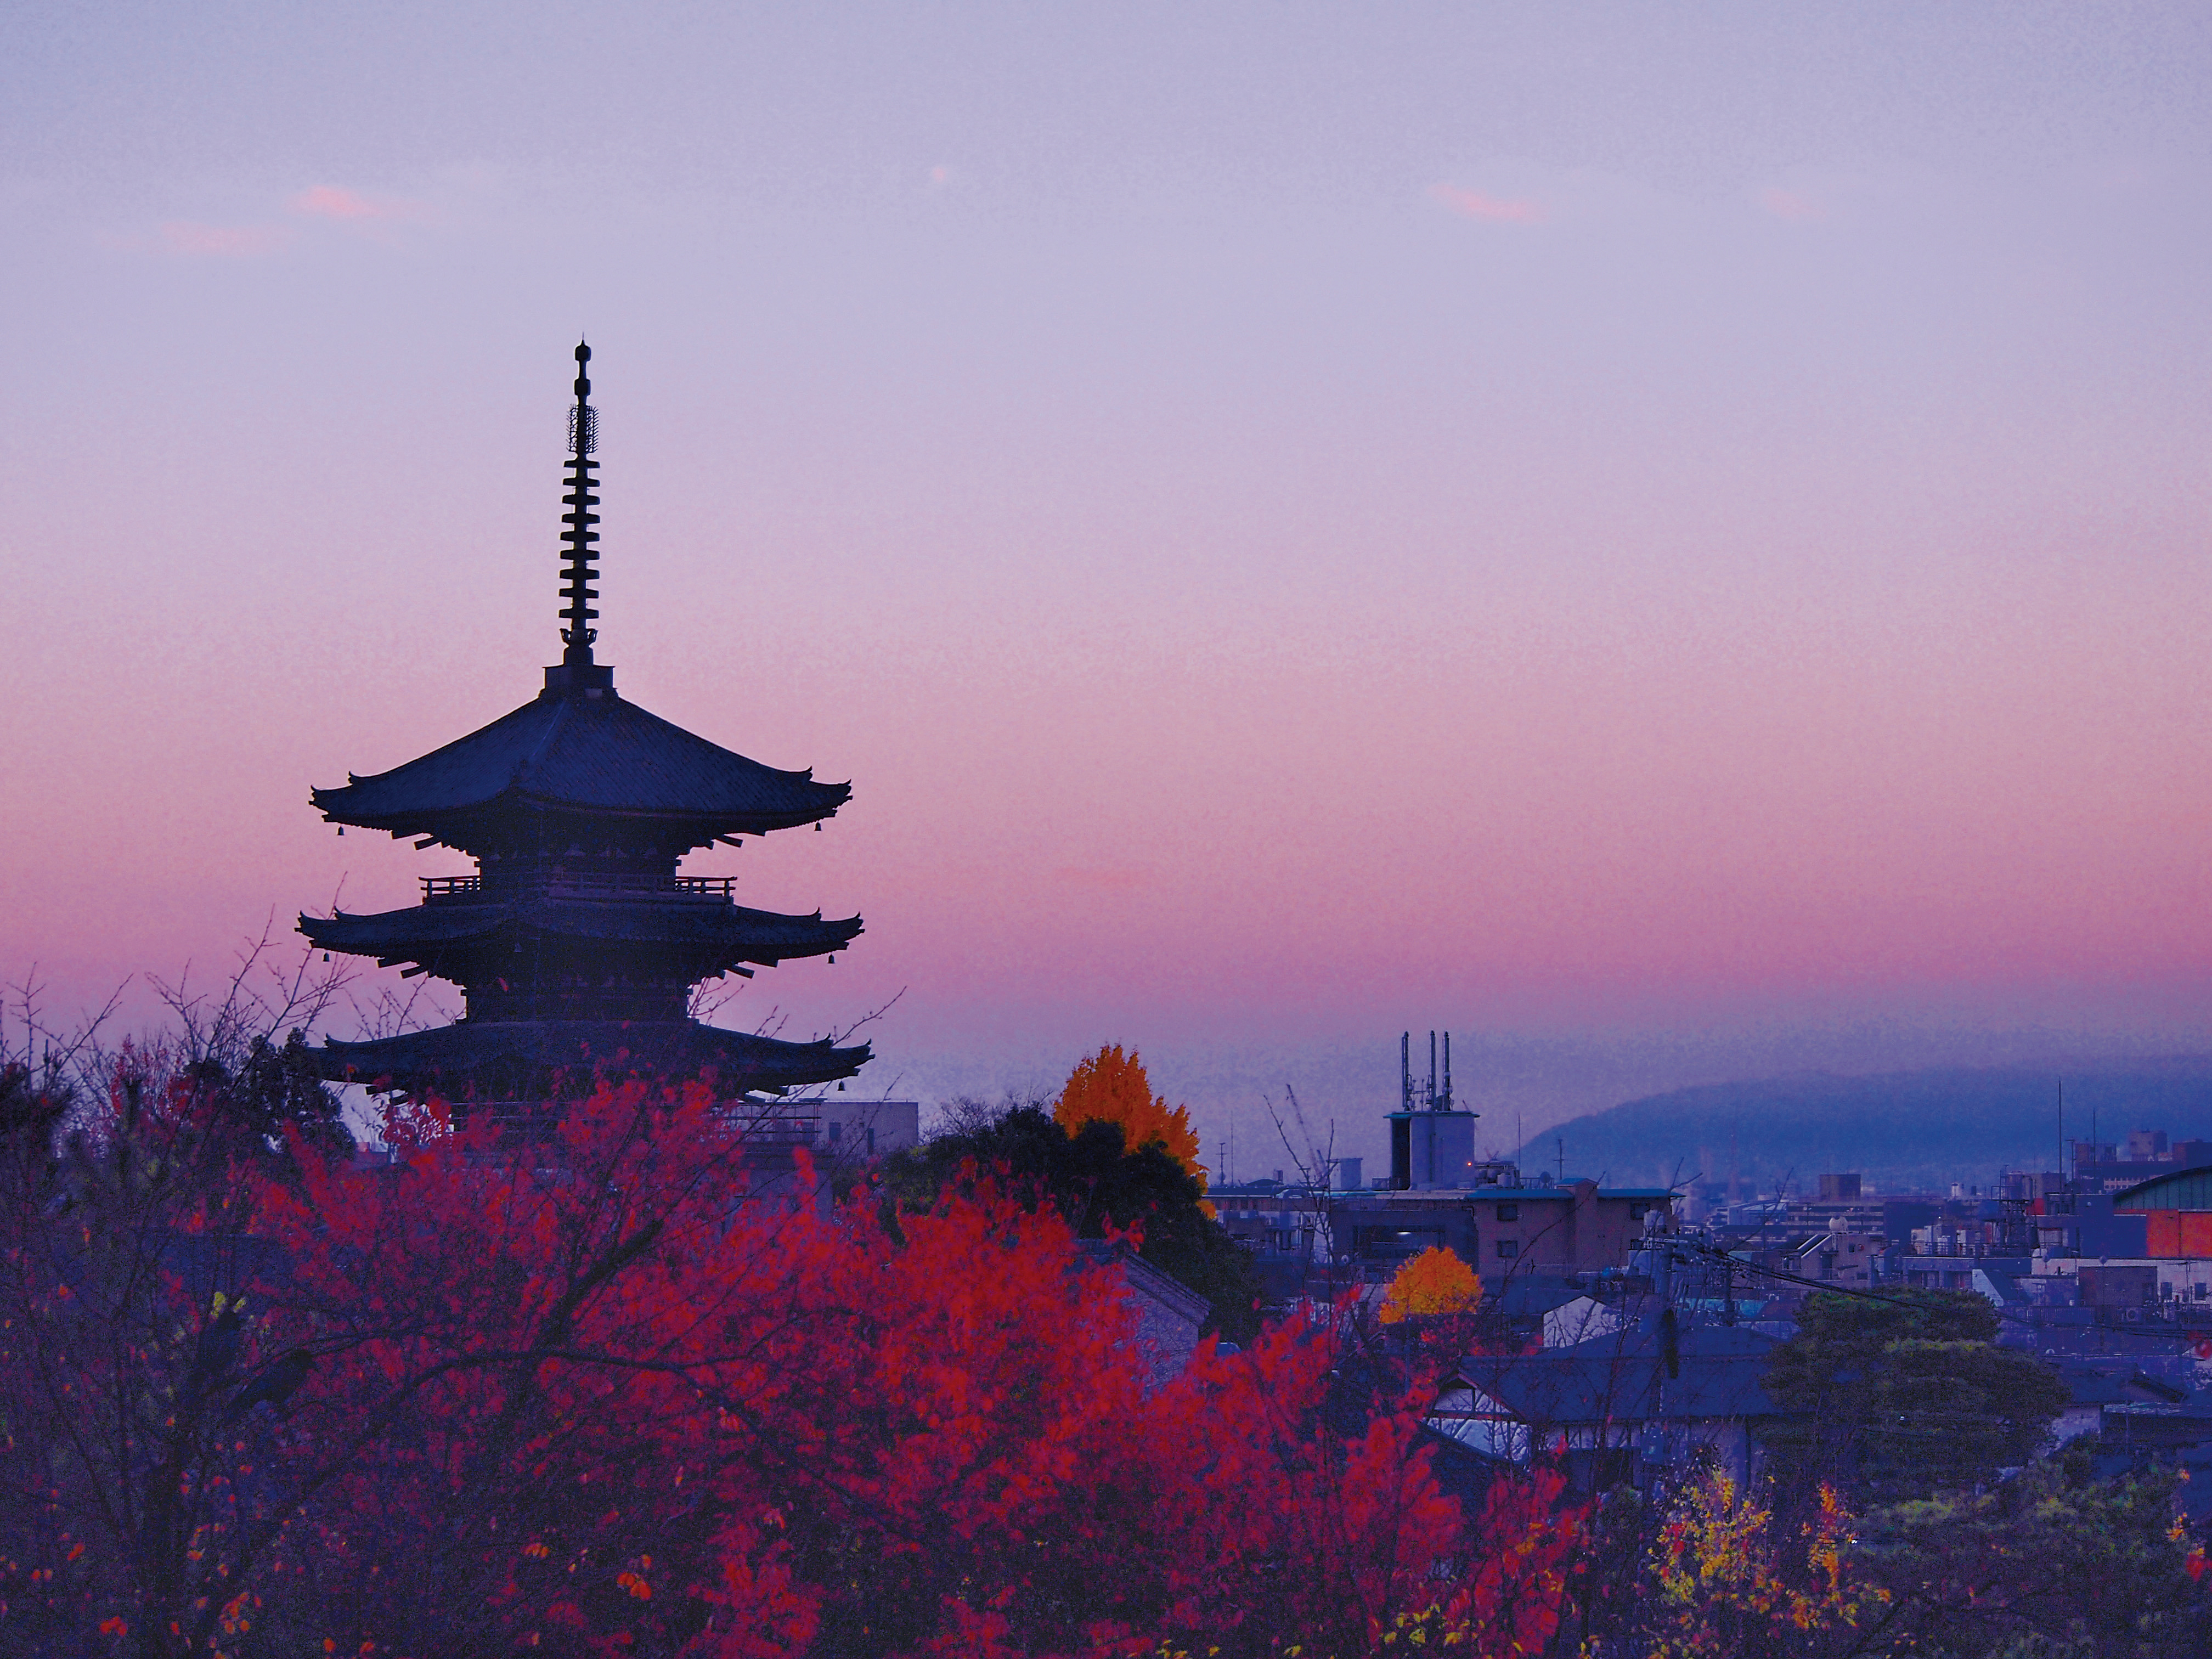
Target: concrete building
x=1441, y=1194
x=1498, y=1230
x=852, y=1127
x=1846, y=1260
x=2177, y=1211
x=2112, y=1166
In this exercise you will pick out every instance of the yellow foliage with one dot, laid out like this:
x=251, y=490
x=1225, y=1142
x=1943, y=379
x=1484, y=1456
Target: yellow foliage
x=1721, y=1579
x=1111, y=1088
x=1434, y=1282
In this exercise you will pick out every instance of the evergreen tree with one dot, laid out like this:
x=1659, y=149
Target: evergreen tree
x=1904, y=1394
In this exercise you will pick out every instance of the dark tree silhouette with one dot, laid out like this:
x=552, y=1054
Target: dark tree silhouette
x=1097, y=1183
x=1904, y=1394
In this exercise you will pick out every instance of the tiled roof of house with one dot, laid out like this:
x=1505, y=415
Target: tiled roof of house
x=1144, y=1280
x=1624, y=1378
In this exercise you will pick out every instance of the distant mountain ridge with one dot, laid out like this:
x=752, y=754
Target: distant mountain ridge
x=1916, y=1129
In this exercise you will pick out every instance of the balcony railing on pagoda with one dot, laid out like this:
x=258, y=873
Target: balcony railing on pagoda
x=565, y=884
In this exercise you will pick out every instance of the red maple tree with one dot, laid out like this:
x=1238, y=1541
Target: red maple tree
x=608, y=1396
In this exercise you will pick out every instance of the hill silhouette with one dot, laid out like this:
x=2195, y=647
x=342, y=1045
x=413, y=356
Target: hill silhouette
x=1914, y=1130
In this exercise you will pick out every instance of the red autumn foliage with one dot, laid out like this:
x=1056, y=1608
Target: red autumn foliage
x=611, y=1397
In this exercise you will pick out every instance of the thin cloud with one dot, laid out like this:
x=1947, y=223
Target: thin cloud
x=335, y=202
x=222, y=241
x=1788, y=204
x=1474, y=204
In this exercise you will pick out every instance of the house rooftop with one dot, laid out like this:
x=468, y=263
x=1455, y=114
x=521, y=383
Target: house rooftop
x=1718, y=1372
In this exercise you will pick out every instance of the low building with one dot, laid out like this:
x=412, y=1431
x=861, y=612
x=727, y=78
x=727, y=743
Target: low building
x=1498, y=1230
x=2113, y=1167
x=1957, y=1272
x=1582, y=1319
x=1271, y=1217
x=853, y=1128
x=1284, y=1229
x=2174, y=1288
x=1169, y=1315
x=1847, y=1260
x=1626, y=1407
x=2177, y=1211
x=2079, y=1222
x=2114, y=1396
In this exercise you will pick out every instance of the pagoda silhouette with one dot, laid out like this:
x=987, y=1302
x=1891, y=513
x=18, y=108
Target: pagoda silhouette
x=576, y=944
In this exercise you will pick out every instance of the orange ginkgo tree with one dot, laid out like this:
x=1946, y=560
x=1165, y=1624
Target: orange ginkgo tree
x=1111, y=1087
x=1435, y=1284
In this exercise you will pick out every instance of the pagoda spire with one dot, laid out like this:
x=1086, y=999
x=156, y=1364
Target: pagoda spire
x=580, y=570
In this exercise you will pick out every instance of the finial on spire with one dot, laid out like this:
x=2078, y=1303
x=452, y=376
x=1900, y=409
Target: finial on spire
x=580, y=572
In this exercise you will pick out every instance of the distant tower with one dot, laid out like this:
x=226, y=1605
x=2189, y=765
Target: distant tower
x=1431, y=1141
x=575, y=943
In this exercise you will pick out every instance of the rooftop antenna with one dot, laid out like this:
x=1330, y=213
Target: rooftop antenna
x=577, y=633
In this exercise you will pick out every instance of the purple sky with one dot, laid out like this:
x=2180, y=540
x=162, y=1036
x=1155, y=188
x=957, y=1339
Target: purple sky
x=1671, y=541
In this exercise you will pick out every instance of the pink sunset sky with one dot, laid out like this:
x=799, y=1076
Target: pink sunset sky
x=1671, y=543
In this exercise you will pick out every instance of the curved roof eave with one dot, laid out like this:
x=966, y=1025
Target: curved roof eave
x=708, y=820
x=765, y=937
x=580, y=755
x=453, y=1053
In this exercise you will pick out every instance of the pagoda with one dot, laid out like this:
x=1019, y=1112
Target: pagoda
x=575, y=943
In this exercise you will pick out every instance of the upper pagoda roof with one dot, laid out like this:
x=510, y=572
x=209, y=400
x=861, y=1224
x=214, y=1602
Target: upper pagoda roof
x=583, y=749
x=578, y=749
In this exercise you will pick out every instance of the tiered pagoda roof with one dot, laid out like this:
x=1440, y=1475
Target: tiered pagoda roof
x=572, y=755
x=576, y=943
x=512, y=1059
